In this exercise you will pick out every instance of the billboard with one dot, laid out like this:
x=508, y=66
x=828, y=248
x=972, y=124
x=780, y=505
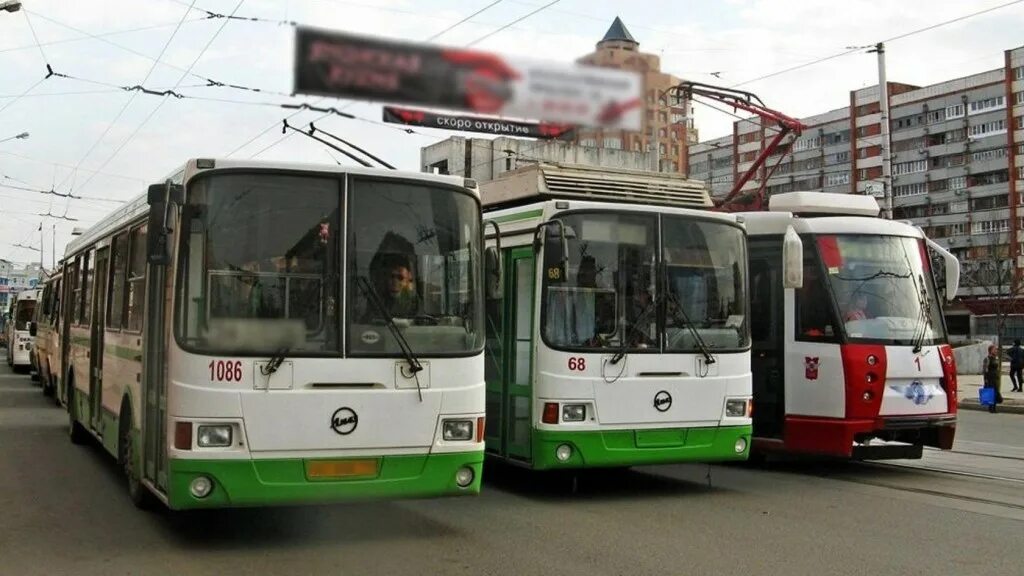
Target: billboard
x=345, y=65
x=498, y=126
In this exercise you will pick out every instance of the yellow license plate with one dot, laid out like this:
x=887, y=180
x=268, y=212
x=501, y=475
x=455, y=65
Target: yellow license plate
x=338, y=469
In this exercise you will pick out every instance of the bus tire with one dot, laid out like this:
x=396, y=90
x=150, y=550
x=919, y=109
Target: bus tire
x=76, y=432
x=126, y=457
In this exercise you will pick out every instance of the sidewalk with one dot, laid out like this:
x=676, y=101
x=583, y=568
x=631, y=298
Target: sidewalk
x=968, y=385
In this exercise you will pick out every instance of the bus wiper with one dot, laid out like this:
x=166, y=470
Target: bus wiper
x=678, y=313
x=410, y=357
x=274, y=363
x=631, y=330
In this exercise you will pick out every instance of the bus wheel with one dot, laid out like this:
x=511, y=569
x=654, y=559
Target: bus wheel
x=76, y=432
x=138, y=493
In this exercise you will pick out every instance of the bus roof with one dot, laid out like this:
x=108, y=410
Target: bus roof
x=775, y=223
x=138, y=207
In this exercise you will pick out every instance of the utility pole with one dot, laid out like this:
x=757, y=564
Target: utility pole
x=883, y=99
x=655, y=148
x=53, y=247
x=42, y=251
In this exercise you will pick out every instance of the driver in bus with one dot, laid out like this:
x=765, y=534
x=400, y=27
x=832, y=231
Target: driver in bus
x=396, y=285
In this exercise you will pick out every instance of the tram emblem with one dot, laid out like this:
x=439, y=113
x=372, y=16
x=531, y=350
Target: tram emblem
x=811, y=367
x=916, y=392
x=662, y=401
x=344, y=421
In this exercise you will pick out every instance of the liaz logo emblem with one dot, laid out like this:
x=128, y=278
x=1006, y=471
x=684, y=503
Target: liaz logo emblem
x=662, y=401
x=811, y=367
x=344, y=421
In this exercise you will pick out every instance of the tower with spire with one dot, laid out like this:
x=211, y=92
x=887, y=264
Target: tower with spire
x=619, y=49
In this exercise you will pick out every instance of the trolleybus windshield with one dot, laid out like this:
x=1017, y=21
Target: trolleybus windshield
x=883, y=288
x=261, y=263
x=608, y=294
x=24, y=313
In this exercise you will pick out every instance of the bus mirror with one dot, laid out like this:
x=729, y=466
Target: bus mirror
x=160, y=198
x=33, y=328
x=492, y=273
x=492, y=264
x=792, y=259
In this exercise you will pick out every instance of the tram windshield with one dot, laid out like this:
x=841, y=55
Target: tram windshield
x=883, y=288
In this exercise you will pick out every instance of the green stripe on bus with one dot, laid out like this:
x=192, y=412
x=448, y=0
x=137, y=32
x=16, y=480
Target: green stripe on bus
x=605, y=448
x=265, y=482
x=518, y=216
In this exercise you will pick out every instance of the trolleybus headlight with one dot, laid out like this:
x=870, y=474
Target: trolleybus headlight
x=736, y=408
x=464, y=476
x=201, y=486
x=457, y=430
x=218, y=436
x=741, y=445
x=574, y=412
x=563, y=452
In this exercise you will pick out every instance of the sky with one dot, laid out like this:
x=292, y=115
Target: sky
x=93, y=140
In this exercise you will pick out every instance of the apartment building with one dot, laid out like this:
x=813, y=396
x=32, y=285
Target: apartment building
x=957, y=165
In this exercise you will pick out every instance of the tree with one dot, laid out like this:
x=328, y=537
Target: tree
x=991, y=275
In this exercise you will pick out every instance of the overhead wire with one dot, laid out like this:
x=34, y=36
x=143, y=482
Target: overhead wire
x=164, y=99
x=514, y=22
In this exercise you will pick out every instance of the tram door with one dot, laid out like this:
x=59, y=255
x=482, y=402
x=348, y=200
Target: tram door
x=767, y=357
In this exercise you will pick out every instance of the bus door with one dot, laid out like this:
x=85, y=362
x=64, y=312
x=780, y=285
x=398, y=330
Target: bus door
x=154, y=382
x=71, y=273
x=519, y=334
x=767, y=357
x=97, y=330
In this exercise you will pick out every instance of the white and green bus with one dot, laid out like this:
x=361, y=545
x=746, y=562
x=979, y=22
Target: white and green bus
x=620, y=335
x=252, y=333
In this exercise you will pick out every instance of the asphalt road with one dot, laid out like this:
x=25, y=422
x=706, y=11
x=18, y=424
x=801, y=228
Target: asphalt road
x=63, y=510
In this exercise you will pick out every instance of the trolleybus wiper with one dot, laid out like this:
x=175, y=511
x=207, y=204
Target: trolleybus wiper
x=632, y=329
x=678, y=313
x=410, y=357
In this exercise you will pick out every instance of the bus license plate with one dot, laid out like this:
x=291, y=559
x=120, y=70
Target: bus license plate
x=340, y=469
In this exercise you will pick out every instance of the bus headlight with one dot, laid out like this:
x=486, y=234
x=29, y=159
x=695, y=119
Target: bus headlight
x=454, y=430
x=218, y=436
x=574, y=412
x=736, y=407
x=464, y=476
x=741, y=445
x=201, y=486
x=563, y=452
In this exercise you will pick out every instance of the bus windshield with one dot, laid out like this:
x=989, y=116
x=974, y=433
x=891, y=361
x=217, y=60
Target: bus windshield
x=883, y=288
x=261, y=265
x=610, y=293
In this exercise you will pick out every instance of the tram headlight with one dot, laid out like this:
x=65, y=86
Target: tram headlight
x=217, y=436
x=736, y=407
x=574, y=412
x=455, y=430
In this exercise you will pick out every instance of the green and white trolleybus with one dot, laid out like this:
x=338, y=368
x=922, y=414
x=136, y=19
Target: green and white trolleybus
x=254, y=333
x=619, y=335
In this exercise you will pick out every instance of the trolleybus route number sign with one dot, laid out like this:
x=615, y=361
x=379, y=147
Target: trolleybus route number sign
x=577, y=364
x=225, y=370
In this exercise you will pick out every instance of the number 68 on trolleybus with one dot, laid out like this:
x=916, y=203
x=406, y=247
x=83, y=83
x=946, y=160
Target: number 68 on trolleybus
x=263, y=333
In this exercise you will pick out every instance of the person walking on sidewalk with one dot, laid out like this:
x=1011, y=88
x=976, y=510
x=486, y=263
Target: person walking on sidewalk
x=991, y=370
x=1016, y=355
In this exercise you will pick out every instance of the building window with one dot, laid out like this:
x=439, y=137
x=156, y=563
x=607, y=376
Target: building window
x=955, y=111
x=993, y=103
x=1018, y=98
x=613, y=143
x=661, y=148
x=588, y=142
x=910, y=167
x=990, y=154
x=958, y=229
x=807, y=143
x=958, y=207
x=837, y=179
x=990, y=227
x=842, y=157
x=988, y=128
x=910, y=189
x=936, y=116
x=1018, y=73
x=957, y=182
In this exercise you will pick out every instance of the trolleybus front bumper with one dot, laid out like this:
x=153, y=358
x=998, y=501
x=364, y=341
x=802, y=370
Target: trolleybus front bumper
x=267, y=482
x=636, y=447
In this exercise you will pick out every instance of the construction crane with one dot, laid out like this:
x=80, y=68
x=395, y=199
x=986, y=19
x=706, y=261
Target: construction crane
x=735, y=200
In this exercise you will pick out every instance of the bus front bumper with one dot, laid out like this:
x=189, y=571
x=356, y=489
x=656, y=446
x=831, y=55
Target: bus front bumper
x=270, y=482
x=637, y=447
